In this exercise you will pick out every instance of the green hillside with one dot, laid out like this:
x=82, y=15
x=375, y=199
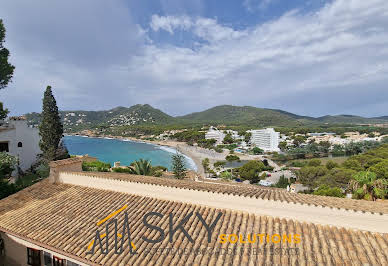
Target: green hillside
x=247, y=115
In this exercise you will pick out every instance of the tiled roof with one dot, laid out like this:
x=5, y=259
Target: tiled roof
x=64, y=218
x=252, y=191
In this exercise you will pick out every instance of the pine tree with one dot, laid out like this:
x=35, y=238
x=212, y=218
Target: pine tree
x=50, y=129
x=178, y=166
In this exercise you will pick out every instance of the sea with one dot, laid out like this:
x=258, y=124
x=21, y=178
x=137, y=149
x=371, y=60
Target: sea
x=125, y=151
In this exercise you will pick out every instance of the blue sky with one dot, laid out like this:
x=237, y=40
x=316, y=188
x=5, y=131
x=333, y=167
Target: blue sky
x=308, y=57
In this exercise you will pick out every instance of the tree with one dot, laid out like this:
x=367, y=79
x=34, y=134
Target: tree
x=231, y=158
x=314, y=162
x=6, y=69
x=3, y=112
x=257, y=150
x=251, y=170
x=366, y=186
x=282, y=183
x=247, y=137
x=283, y=145
x=178, y=166
x=142, y=167
x=7, y=164
x=228, y=139
x=50, y=129
x=205, y=164
x=330, y=165
x=325, y=190
x=380, y=169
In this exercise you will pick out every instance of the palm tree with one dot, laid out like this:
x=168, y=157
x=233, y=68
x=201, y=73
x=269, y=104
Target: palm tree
x=366, y=186
x=141, y=167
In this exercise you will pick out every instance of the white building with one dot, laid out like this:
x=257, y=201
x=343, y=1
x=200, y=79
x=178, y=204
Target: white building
x=265, y=139
x=214, y=133
x=20, y=140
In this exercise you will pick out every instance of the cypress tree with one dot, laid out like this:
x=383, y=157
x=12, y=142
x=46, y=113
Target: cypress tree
x=178, y=166
x=50, y=129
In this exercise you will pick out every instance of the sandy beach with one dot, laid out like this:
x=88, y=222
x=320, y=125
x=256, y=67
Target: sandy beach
x=197, y=154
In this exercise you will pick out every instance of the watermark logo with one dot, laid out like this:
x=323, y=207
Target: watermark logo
x=173, y=228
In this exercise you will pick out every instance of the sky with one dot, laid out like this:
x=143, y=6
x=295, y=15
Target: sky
x=309, y=57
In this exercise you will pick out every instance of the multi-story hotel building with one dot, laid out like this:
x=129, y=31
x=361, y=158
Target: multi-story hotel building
x=265, y=139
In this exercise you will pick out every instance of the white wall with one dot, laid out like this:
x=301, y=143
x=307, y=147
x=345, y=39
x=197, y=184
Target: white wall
x=300, y=212
x=29, y=137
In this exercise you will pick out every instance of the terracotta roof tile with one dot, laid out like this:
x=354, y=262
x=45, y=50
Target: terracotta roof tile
x=251, y=191
x=64, y=217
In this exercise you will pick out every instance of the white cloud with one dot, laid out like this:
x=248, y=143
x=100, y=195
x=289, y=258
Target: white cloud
x=254, y=5
x=331, y=61
x=204, y=28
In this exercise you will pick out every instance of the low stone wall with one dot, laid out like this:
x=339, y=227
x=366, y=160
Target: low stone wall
x=68, y=165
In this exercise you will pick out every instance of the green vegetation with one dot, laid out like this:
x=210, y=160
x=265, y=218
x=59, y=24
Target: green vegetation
x=282, y=183
x=96, y=166
x=178, y=166
x=257, y=150
x=232, y=158
x=206, y=164
x=219, y=164
x=6, y=69
x=365, y=185
x=251, y=170
x=228, y=139
x=7, y=164
x=141, y=167
x=325, y=190
x=226, y=175
x=50, y=129
x=365, y=174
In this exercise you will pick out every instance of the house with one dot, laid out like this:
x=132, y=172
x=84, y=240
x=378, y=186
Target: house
x=214, y=133
x=20, y=140
x=63, y=220
x=295, y=188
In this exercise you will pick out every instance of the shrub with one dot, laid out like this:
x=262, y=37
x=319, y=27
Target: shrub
x=250, y=170
x=282, y=183
x=122, y=170
x=7, y=164
x=96, y=166
x=226, y=175
x=325, y=190
x=43, y=170
x=257, y=150
x=231, y=158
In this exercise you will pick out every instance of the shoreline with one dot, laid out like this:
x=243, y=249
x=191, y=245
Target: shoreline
x=168, y=144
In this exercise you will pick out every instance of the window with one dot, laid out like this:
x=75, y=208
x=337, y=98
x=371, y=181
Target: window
x=47, y=259
x=4, y=146
x=33, y=257
x=20, y=144
x=58, y=262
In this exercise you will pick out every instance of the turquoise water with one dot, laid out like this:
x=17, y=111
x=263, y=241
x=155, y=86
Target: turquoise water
x=113, y=150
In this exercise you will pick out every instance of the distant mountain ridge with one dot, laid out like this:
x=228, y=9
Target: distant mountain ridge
x=145, y=114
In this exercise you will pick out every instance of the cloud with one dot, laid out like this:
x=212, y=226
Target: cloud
x=204, y=28
x=327, y=62
x=255, y=5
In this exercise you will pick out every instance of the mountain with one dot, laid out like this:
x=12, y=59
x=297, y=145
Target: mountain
x=138, y=114
x=144, y=114
x=350, y=119
x=230, y=115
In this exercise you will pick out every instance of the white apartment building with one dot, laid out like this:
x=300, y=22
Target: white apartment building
x=265, y=139
x=214, y=133
x=20, y=140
